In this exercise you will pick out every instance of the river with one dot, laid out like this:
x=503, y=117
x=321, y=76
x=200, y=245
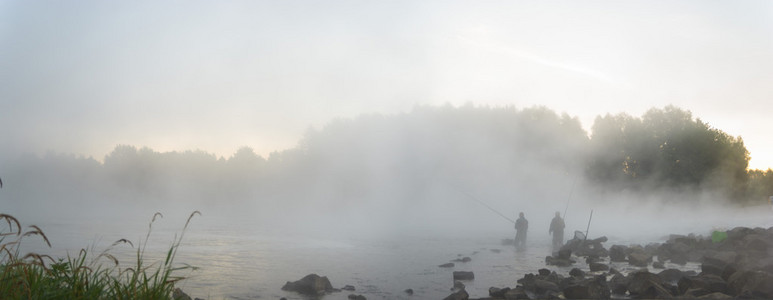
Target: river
x=238, y=259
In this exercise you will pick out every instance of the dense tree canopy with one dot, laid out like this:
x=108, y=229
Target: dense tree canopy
x=666, y=148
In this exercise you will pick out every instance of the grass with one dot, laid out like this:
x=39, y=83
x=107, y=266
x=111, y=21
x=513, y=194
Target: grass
x=37, y=276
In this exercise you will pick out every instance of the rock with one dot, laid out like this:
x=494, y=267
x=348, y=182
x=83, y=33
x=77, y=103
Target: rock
x=565, y=254
x=311, y=284
x=709, y=282
x=495, y=292
x=639, y=259
x=757, y=243
x=658, y=265
x=459, y=295
x=695, y=293
x=357, y=297
x=643, y=284
x=754, y=284
x=348, y=288
x=575, y=272
x=496, y=250
x=463, y=259
x=679, y=260
x=409, y=291
x=716, y=296
x=447, y=265
x=554, y=261
x=544, y=286
x=617, y=253
x=596, y=267
x=516, y=293
x=458, y=285
x=543, y=272
x=618, y=284
x=527, y=280
x=594, y=288
x=178, y=294
x=463, y=275
x=592, y=259
x=539, y=285
x=716, y=262
x=738, y=233
x=671, y=275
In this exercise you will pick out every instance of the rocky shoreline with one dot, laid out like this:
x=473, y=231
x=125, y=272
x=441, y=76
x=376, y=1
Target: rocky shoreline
x=735, y=264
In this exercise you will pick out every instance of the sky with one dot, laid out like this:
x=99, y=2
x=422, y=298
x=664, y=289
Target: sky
x=81, y=77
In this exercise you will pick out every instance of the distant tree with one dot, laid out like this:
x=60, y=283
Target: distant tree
x=760, y=186
x=666, y=148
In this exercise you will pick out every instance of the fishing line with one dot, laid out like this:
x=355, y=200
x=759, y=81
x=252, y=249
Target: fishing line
x=481, y=202
x=571, y=192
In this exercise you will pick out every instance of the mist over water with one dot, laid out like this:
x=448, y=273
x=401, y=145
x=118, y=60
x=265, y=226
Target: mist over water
x=357, y=196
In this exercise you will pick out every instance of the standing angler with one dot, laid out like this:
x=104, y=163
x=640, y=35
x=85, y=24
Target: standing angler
x=557, y=230
x=521, y=225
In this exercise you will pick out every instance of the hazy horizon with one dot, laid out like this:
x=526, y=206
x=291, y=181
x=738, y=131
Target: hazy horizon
x=84, y=76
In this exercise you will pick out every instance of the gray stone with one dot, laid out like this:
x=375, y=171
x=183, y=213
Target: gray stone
x=459, y=295
x=463, y=275
x=596, y=267
x=311, y=284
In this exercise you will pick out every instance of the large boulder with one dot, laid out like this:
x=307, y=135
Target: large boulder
x=584, y=247
x=671, y=275
x=565, y=254
x=596, y=267
x=459, y=295
x=639, y=259
x=643, y=284
x=617, y=253
x=311, y=284
x=751, y=284
x=592, y=288
x=738, y=233
x=709, y=283
x=618, y=284
x=496, y=292
x=542, y=287
x=716, y=262
x=575, y=272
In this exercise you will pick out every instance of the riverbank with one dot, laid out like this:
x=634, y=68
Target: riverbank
x=737, y=263
x=733, y=264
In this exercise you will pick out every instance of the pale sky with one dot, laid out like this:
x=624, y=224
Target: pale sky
x=83, y=76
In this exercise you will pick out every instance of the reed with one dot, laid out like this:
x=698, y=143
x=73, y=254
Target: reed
x=39, y=276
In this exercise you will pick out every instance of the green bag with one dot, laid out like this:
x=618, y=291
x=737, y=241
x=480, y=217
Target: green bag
x=718, y=236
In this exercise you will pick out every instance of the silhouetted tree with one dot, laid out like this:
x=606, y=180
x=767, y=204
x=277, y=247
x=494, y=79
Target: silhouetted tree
x=666, y=148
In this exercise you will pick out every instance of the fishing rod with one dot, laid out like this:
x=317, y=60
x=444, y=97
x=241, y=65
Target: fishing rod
x=571, y=192
x=587, y=229
x=482, y=203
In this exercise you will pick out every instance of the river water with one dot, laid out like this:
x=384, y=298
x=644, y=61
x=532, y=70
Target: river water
x=237, y=259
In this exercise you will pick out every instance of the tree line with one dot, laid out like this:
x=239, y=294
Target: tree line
x=495, y=150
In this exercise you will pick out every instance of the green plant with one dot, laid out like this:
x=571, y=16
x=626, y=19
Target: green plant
x=36, y=276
